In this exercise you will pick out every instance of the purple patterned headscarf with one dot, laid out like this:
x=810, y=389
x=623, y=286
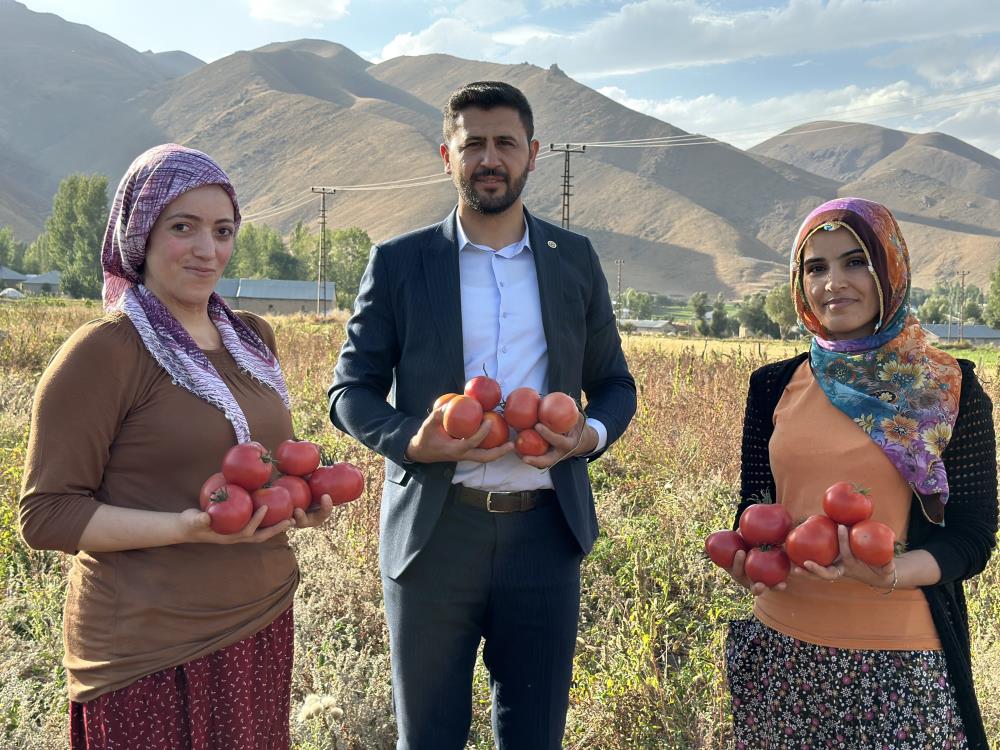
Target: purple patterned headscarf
x=154, y=179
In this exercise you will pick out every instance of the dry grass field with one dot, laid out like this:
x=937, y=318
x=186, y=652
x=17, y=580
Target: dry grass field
x=649, y=657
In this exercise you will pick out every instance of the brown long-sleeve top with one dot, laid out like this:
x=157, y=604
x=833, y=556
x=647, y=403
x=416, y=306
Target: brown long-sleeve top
x=109, y=427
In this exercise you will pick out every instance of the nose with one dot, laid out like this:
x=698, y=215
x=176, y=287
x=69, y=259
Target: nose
x=835, y=278
x=204, y=244
x=491, y=157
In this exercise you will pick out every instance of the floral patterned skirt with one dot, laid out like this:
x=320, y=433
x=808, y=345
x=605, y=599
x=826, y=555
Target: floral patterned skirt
x=791, y=695
x=236, y=698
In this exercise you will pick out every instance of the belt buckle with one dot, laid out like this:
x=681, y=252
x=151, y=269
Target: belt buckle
x=489, y=502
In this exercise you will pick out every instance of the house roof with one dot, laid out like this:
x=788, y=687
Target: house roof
x=9, y=274
x=968, y=331
x=272, y=289
x=49, y=277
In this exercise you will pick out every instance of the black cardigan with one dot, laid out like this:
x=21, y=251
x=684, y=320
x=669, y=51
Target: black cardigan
x=962, y=547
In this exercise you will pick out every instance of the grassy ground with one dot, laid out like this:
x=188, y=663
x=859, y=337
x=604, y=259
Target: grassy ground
x=648, y=670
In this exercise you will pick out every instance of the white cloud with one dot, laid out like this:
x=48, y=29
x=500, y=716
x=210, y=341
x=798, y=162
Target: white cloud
x=299, y=12
x=654, y=34
x=948, y=63
x=900, y=105
x=449, y=36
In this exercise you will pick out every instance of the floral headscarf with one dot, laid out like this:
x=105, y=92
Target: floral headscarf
x=895, y=386
x=154, y=179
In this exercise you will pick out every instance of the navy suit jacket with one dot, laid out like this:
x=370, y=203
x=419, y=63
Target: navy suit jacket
x=404, y=342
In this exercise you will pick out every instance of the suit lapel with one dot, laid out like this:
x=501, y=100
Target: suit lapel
x=444, y=292
x=549, y=272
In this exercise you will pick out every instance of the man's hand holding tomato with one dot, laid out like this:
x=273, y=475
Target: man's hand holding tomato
x=432, y=443
x=579, y=441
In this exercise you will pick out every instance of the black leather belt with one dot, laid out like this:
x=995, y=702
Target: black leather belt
x=502, y=502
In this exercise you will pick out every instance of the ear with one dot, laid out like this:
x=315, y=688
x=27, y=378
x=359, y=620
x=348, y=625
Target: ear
x=532, y=154
x=446, y=158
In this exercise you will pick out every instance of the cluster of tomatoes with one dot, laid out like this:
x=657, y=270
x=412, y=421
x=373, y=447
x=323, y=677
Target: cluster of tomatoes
x=465, y=413
x=766, y=535
x=231, y=496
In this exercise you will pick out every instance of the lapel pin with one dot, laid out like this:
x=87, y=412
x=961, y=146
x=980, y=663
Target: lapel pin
x=551, y=243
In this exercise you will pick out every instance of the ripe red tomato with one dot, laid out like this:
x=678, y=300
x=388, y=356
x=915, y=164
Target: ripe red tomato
x=521, y=408
x=343, y=482
x=767, y=566
x=499, y=431
x=872, y=542
x=847, y=503
x=298, y=489
x=814, y=539
x=722, y=546
x=765, y=523
x=230, y=509
x=443, y=399
x=278, y=502
x=462, y=417
x=247, y=466
x=297, y=457
x=558, y=412
x=214, y=482
x=485, y=390
x=530, y=443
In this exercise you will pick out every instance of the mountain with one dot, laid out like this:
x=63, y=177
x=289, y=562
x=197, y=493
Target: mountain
x=945, y=192
x=691, y=214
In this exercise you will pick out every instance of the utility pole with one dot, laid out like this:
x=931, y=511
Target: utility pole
x=567, y=149
x=321, y=256
x=961, y=308
x=619, y=262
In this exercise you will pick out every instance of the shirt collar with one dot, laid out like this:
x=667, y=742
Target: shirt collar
x=506, y=252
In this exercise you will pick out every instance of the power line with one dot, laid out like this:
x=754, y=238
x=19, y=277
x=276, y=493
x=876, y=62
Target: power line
x=567, y=149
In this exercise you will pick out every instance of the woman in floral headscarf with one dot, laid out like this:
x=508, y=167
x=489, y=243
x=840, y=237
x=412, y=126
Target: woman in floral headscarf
x=849, y=655
x=176, y=636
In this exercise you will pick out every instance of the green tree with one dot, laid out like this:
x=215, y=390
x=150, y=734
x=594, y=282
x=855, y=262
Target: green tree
x=753, y=316
x=991, y=313
x=698, y=302
x=73, y=235
x=11, y=251
x=934, y=310
x=780, y=309
x=638, y=304
x=719, y=326
x=261, y=254
x=348, y=257
x=304, y=245
x=973, y=311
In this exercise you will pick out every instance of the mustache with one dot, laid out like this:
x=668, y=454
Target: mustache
x=492, y=172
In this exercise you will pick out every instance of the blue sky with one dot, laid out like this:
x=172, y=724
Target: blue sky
x=739, y=70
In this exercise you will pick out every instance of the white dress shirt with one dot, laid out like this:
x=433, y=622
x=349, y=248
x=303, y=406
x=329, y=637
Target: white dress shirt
x=503, y=337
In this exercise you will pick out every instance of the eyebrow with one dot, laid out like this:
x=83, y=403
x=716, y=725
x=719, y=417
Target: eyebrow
x=843, y=255
x=196, y=217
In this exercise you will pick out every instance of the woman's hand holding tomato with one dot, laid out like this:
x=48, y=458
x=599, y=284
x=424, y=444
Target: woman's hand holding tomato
x=738, y=573
x=848, y=566
x=195, y=527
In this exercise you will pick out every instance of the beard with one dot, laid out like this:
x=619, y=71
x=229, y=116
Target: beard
x=490, y=204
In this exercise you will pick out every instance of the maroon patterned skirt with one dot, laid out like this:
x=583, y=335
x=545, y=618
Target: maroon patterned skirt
x=237, y=697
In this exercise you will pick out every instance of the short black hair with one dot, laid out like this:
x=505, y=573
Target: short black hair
x=487, y=95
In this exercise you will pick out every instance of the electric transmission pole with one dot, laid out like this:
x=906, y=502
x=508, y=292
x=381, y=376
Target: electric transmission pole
x=567, y=149
x=619, y=262
x=321, y=256
x=961, y=308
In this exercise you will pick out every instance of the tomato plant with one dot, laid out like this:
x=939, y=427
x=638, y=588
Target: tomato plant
x=521, y=408
x=485, y=390
x=558, y=412
x=499, y=431
x=462, y=416
x=814, y=539
x=230, y=508
x=297, y=457
x=278, y=502
x=298, y=489
x=872, y=542
x=530, y=443
x=343, y=482
x=722, y=546
x=768, y=566
x=765, y=523
x=847, y=503
x=247, y=465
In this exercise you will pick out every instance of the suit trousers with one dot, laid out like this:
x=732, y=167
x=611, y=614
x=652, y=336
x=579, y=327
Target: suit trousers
x=509, y=579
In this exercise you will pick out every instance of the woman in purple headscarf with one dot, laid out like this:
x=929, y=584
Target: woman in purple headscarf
x=176, y=636
x=851, y=655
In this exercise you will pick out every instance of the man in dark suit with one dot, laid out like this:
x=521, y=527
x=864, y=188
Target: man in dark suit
x=482, y=544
